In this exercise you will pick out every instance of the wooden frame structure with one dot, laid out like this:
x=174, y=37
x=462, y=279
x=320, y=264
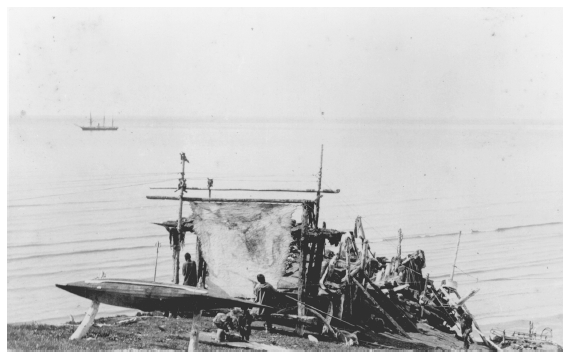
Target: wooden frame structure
x=311, y=242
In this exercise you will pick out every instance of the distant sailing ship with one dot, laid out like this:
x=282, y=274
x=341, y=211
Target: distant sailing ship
x=99, y=128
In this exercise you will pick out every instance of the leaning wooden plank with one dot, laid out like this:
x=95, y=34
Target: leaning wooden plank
x=211, y=337
x=462, y=301
x=381, y=311
x=389, y=306
x=87, y=321
x=323, y=320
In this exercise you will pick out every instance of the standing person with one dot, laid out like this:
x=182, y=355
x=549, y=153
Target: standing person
x=189, y=271
x=265, y=294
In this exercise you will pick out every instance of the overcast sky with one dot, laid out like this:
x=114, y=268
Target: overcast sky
x=284, y=63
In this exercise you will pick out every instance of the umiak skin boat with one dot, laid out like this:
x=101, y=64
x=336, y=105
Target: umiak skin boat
x=150, y=296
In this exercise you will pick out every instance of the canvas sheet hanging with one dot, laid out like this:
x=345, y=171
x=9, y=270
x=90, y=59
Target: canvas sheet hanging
x=240, y=241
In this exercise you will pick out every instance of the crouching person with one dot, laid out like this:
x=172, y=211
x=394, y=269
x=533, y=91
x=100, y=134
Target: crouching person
x=244, y=321
x=224, y=323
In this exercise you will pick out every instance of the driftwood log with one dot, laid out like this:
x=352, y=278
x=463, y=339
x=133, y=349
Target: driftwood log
x=294, y=319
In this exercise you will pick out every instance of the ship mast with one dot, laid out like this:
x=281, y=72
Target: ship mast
x=90, y=120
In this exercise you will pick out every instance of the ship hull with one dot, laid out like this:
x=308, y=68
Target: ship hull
x=150, y=296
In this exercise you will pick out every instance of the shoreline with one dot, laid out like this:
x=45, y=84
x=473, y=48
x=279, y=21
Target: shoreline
x=158, y=333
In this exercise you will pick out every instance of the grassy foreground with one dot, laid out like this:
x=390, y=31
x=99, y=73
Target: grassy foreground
x=158, y=333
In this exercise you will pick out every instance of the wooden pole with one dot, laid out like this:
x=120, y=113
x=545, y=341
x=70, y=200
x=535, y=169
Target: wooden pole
x=318, y=263
x=198, y=261
x=310, y=281
x=87, y=321
x=239, y=200
x=195, y=330
x=156, y=262
x=455, y=260
x=300, y=329
x=462, y=301
x=176, y=264
x=329, y=191
x=348, y=277
x=318, y=200
x=176, y=247
x=400, y=239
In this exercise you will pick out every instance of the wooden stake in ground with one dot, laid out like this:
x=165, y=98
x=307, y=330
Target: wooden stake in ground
x=195, y=330
x=87, y=321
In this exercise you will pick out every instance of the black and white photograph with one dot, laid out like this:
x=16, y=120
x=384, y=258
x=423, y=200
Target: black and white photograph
x=344, y=177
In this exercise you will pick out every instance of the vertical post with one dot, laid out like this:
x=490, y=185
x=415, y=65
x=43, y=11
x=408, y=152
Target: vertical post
x=87, y=321
x=204, y=271
x=176, y=248
x=198, y=260
x=195, y=330
x=318, y=263
x=300, y=329
x=310, y=276
x=348, y=277
x=156, y=262
x=400, y=238
x=176, y=264
x=455, y=260
x=318, y=201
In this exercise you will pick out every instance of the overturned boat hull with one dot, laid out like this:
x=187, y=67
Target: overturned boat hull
x=150, y=296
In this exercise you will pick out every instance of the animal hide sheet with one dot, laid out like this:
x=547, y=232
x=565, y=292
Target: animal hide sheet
x=240, y=241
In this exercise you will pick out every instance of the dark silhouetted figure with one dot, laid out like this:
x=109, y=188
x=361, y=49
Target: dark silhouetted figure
x=189, y=271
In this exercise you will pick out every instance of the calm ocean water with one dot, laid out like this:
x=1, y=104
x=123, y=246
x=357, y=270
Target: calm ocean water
x=77, y=201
